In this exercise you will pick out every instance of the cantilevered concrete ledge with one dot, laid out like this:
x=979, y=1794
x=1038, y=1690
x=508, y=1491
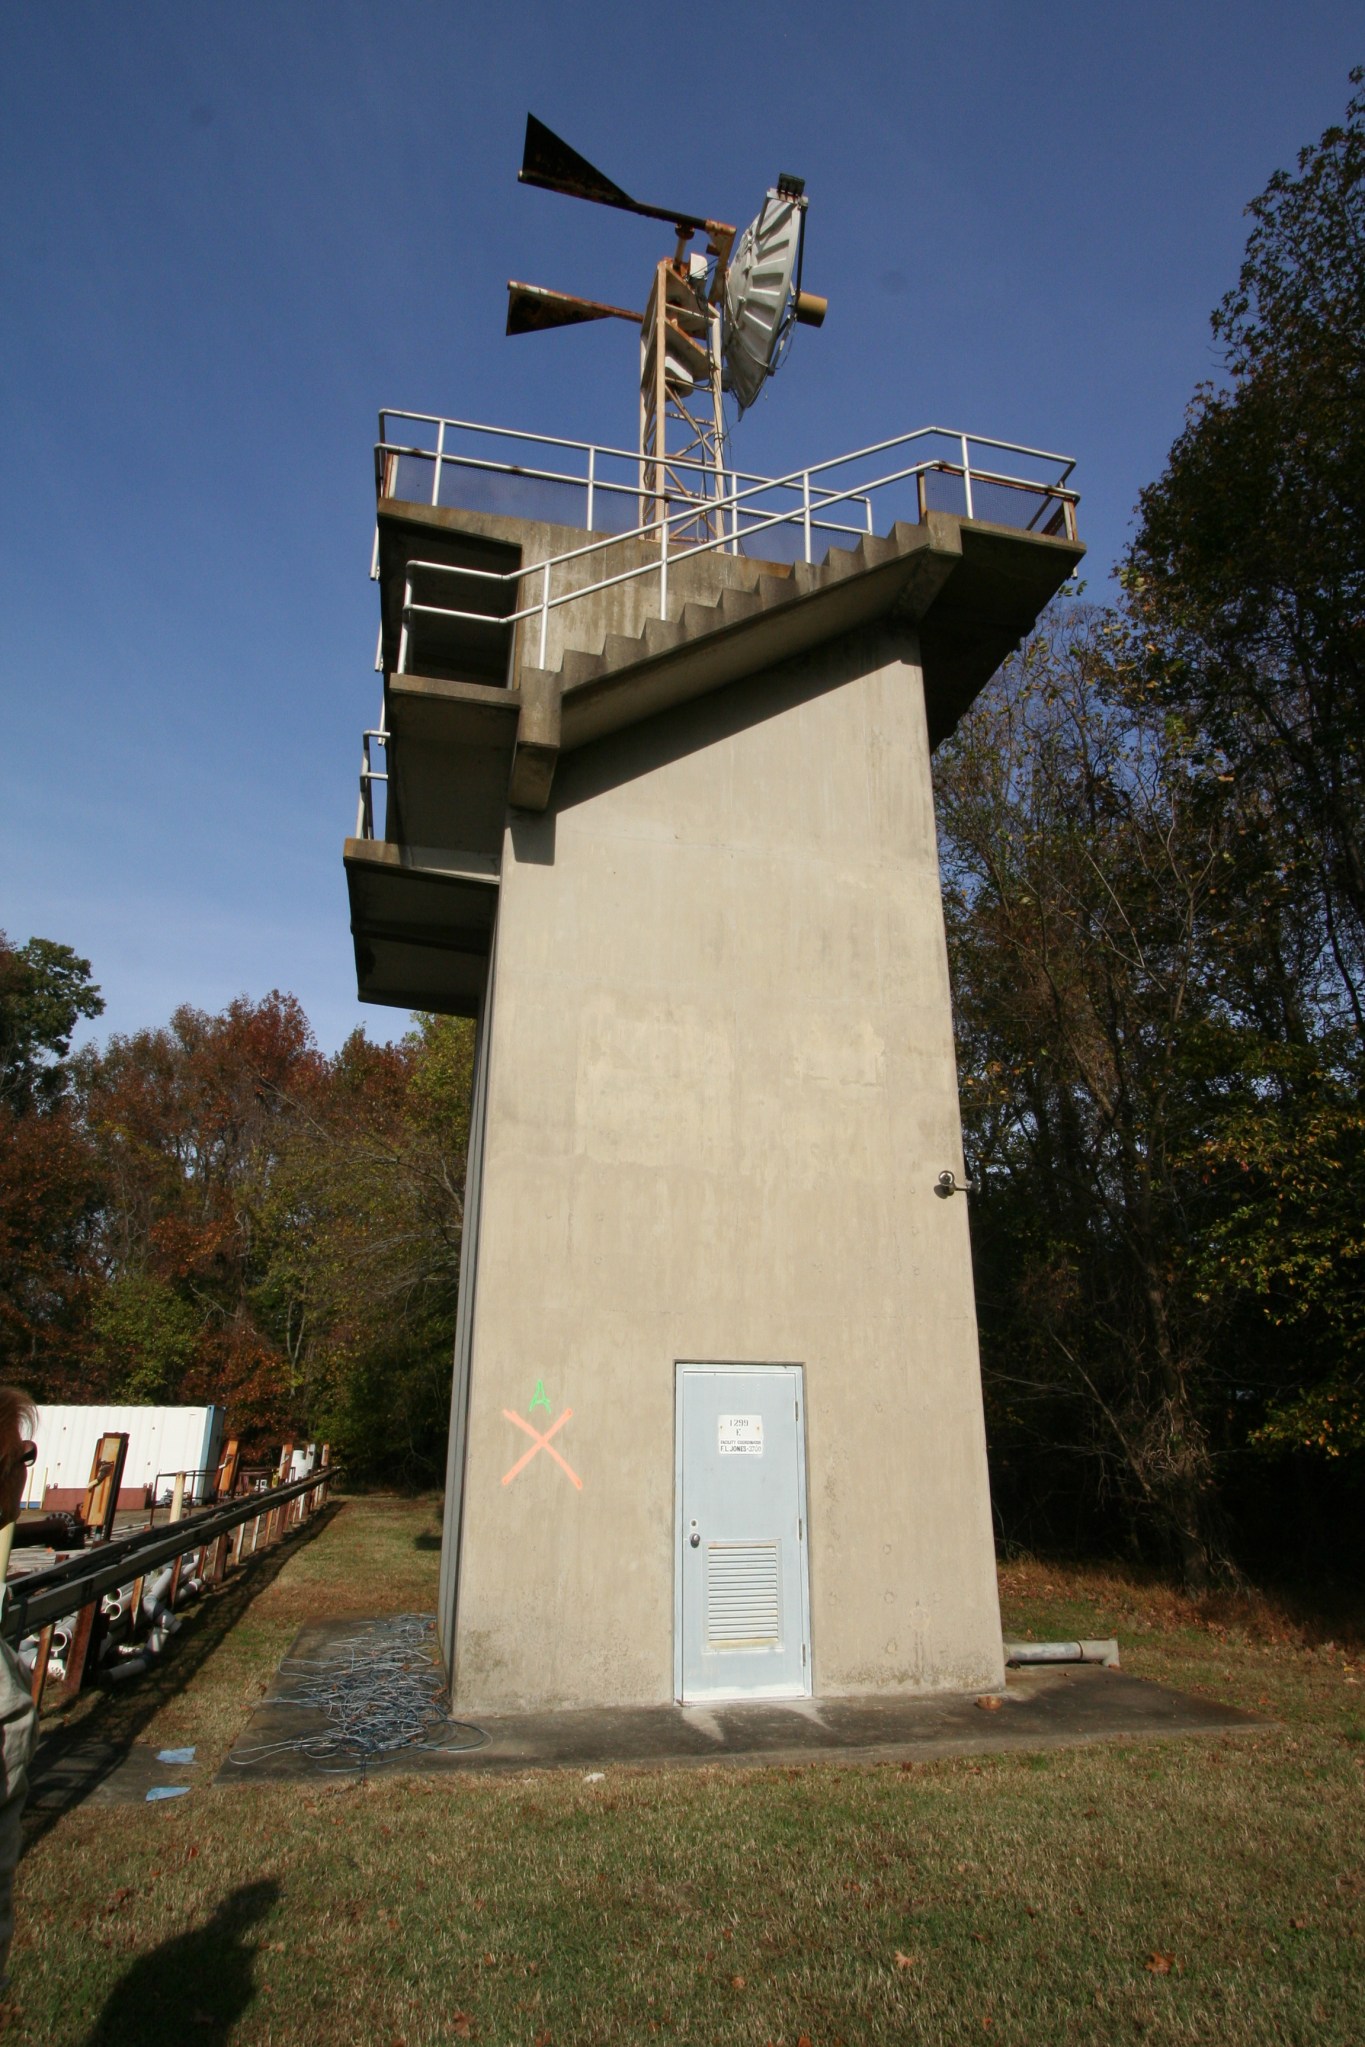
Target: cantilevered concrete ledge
x=484, y=731
x=422, y=921
x=973, y=590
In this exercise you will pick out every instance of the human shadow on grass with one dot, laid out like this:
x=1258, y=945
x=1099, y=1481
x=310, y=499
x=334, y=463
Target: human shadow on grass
x=194, y=1987
x=76, y=1754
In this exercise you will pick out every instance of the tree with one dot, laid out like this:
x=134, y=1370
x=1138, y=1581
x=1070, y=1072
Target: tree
x=45, y=989
x=49, y=1202
x=1248, y=570
x=187, y=1124
x=48, y=1187
x=1127, y=967
x=365, y=1218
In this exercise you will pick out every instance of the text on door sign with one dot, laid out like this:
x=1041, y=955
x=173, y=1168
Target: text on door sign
x=740, y=1435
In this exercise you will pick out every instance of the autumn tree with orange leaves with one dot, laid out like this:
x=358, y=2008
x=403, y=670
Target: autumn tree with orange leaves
x=215, y=1211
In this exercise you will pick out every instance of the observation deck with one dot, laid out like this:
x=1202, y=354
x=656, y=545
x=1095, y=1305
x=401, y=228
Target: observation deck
x=532, y=603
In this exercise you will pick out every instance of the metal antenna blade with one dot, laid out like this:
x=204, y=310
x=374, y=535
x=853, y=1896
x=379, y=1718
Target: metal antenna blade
x=531, y=309
x=548, y=161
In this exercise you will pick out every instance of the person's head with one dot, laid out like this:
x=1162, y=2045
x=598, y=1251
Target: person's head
x=18, y=1420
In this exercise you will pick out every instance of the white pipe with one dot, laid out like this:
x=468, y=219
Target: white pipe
x=1106, y=1653
x=128, y=1665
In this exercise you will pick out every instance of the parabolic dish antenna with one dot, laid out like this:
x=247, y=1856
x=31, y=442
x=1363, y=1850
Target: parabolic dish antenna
x=763, y=292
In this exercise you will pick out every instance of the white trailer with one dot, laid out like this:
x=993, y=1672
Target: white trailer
x=162, y=1442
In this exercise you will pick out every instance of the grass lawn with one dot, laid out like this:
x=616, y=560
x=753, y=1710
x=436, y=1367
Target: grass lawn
x=1204, y=1891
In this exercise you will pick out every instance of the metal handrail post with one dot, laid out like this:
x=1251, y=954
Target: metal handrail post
x=403, y=635
x=967, y=476
x=592, y=478
x=436, y=467
x=663, y=562
x=805, y=507
x=544, y=614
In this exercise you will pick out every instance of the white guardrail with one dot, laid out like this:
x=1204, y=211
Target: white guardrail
x=684, y=507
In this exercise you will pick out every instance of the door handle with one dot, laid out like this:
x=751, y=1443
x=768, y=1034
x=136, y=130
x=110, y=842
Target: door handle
x=695, y=1540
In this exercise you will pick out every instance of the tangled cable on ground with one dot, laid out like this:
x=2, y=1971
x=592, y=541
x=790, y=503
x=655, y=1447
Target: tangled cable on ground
x=379, y=1691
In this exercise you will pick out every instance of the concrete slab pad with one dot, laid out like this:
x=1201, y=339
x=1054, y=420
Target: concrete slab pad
x=1040, y=1709
x=68, y=1772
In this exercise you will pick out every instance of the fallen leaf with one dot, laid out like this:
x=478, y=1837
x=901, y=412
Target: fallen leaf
x=462, y=2026
x=904, y=1961
x=804, y=2041
x=989, y=1703
x=736, y=1982
x=1159, y=1964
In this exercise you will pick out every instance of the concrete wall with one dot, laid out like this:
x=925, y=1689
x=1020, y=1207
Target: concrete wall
x=721, y=1086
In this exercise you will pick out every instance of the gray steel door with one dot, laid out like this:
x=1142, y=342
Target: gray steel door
x=742, y=1610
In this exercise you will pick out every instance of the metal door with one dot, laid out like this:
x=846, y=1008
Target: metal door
x=742, y=1607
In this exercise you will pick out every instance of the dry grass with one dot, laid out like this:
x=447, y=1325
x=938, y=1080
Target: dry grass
x=1190, y=1892
x=1264, y=1652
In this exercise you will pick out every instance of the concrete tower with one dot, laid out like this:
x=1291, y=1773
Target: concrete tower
x=663, y=823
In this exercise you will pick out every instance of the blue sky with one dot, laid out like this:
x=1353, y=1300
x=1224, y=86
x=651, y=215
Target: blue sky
x=231, y=232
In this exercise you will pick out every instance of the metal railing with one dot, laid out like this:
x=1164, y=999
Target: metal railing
x=70, y=1592
x=789, y=515
x=603, y=488
x=369, y=775
x=741, y=510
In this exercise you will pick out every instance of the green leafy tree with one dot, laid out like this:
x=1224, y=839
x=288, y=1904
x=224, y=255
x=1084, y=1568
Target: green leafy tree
x=48, y=1182
x=146, y=1337
x=45, y=990
x=1126, y=964
x=1285, y=1243
x=1248, y=570
x=365, y=1217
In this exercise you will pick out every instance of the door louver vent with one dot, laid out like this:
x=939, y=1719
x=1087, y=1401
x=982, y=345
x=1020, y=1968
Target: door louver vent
x=743, y=1603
